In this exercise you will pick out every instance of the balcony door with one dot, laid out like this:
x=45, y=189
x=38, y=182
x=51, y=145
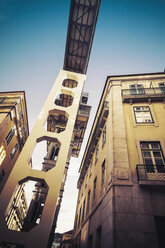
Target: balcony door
x=137, y=89
x=152, y=155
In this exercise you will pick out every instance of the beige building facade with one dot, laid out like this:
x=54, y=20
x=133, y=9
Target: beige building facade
x=121, y=200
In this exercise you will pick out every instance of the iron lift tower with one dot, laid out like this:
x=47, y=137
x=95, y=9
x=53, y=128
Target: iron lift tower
x=65, y=113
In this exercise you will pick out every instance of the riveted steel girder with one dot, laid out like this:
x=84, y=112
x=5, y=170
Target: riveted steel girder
x=81, y=28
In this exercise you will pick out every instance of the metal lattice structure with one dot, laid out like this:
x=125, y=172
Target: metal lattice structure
x=81, y=28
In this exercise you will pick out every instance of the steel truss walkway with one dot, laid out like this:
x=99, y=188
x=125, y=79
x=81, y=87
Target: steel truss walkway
x=81, y=29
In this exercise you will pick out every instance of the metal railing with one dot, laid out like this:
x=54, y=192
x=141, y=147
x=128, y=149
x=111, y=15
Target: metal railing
x=143, y=91
x=150, y=172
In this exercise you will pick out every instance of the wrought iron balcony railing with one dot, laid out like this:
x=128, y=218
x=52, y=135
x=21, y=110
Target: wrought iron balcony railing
x=156, y=93
x=150, y=173
x=144, y=91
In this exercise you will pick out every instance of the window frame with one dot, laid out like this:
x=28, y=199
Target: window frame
x=88, y=202
x=96, y=152
x=104, y=134
x=136, y=90
x=153, y=166
x=153, y=114
x=10, y=135
x=143, y=117
x=79, y=218
x=162, y=88
x=91, y=167
x=94, y=188
x=2, y=174
x=103, y=175
x=83, y=210
x=14, y=151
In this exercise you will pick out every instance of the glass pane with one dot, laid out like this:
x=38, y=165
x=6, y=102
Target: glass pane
x=139, y=120
x=157, y=154
x=155, y=145
x=158, y=161
x=147, y=115
x=141, y=91
x=139, y=117
x=138, y=114
x=146, y=108
x=148, y=161
x=137, y=108
x=162, y=87
x=132, y=86
x=144, y=145
x=133, y=92
x=147, y=154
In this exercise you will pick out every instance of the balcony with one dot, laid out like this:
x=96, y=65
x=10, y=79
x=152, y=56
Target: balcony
x=80, y=124
x=143, y=94
x=151, y=174
x=84, y=110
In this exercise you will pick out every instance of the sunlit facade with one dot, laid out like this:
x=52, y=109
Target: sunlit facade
x=18, y=210
x=13, y=135
x=121, y=200
x=13, y=131
x=66, y=241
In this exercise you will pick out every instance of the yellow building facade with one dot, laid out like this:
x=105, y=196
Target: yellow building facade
x=13, y=134
x=13, y=131
x=121, y=200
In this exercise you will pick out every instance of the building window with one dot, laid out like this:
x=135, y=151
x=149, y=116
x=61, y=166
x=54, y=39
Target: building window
x=137, y=89
x=162, y=87
x=2, y=154
x=75, y=224
x=152, y=155
x=143, y=114
x=2, y=99
x=94, y=189
x=10, y=136
x=98, y=237
x=12, y=154
x=96, y=152
x=88, y=202
x=79, y=219
x=91, y=165
x=2, y=174
x=82, y=188
x=104, y=136
x=86, y=179
x=83, y=211
x=103, y=174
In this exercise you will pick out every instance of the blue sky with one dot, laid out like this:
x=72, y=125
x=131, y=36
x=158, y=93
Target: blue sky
x=129, y=38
